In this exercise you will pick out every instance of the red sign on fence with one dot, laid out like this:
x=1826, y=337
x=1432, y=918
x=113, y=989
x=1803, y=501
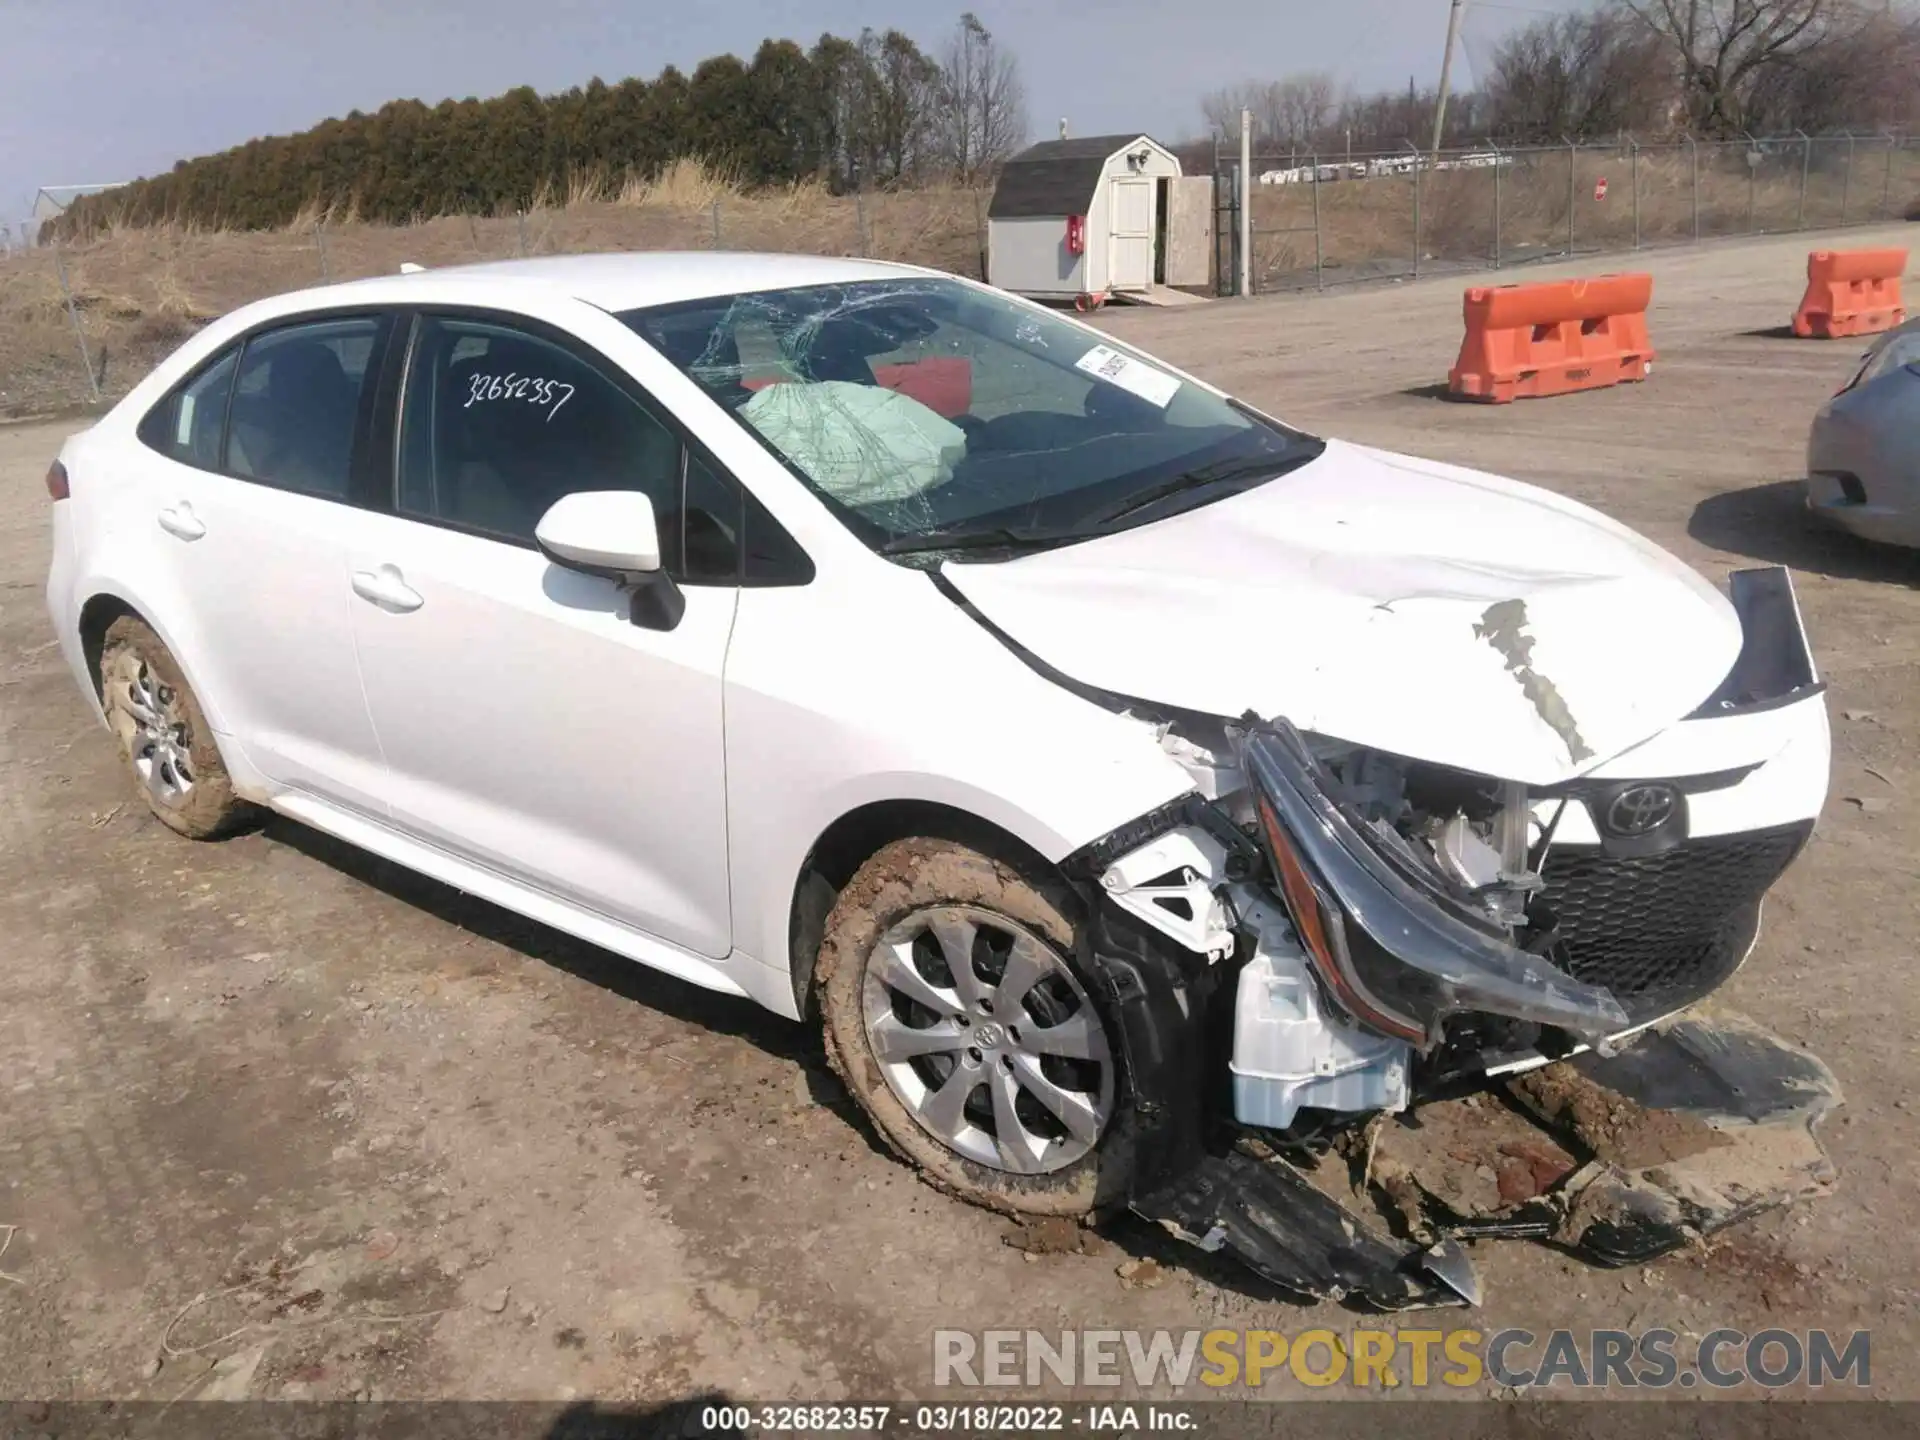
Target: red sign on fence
x=1600, y=188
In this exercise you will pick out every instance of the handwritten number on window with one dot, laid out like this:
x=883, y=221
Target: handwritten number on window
x=534, y=391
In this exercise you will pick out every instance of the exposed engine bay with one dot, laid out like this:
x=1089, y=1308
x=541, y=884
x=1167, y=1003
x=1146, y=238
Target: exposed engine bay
x=1412, y=1059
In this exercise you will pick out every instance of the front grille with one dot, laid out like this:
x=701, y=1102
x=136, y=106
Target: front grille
x=1660, y=931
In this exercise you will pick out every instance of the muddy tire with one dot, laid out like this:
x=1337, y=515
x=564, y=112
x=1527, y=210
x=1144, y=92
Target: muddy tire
x=164, y=736
x=957, y=1014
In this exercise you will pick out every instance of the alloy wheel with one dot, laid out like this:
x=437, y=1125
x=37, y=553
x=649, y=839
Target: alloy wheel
x=158, y=747
x=988, y=1039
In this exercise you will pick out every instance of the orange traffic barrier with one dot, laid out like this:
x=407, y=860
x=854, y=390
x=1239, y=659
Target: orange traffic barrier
x=1851, y=292
x=1551, y=338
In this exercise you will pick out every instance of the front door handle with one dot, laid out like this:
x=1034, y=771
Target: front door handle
x=180, y=522
x=387, y=588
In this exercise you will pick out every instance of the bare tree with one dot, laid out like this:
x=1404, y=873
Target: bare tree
x=1293, y=113
x=1305, y=103
x=1863, y=75
x=1586, y=73
x=1722, y=47
x=896, y=91
x=982, y=107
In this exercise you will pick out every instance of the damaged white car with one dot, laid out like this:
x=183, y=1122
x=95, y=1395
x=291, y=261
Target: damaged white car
x=1322, y=852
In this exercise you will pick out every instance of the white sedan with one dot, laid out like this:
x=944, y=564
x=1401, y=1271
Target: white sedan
x=1112, y=768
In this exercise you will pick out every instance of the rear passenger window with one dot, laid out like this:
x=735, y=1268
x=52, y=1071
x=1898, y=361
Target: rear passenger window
x=296, y=405
x=497, y=424
x=186, y=426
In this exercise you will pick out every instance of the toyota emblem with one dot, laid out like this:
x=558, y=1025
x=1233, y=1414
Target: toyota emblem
x=1641, y=810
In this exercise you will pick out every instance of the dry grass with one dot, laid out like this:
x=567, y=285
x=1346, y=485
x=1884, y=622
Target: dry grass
x=139, y=291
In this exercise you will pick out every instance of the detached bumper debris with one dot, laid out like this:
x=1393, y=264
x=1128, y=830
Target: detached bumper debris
x=1703, y=1121
x=1268, y=1216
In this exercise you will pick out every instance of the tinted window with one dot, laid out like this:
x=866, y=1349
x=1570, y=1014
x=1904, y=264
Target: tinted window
x=186, y=425
x=498, y=423
x=711, y=527
x=296, y=405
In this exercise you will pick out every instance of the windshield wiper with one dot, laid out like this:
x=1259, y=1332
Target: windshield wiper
x=959, y=537
x=1223, y=472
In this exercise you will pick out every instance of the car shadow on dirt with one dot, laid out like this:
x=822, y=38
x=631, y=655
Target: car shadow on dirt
x=730, y=1015
x=1770, y=523
x=708, y=1009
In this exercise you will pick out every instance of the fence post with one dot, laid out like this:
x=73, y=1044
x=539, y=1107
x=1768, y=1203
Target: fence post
x=1319, y=276
x=1846, y=180
x=1886, y=190
x=320, y=239
x=1246, y=204
x=520, y=231
x=1496, y=201
x=1806, y=159
x=73, y=315
x=1693, y=175
x=860, y=215
x=473, y=233
x=1573, y=186
x=1633, y=179
x=979, y=230
x=1754, y=158
x=716, y=224
x=1417, y=235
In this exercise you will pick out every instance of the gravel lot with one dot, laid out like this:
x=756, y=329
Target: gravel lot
x=299, y=1124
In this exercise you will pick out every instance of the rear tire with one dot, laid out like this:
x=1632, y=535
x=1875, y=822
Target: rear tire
x=164, y=736
x=999, y=1077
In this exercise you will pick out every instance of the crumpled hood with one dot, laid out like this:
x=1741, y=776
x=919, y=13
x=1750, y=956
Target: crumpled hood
x=1415, y=607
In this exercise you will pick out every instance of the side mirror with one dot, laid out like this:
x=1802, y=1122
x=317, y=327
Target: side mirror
x=613, y=534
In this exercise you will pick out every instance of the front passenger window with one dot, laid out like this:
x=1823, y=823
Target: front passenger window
x=498, y=423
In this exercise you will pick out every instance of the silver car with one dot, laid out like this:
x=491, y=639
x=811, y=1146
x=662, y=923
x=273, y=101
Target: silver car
x=1863, y=455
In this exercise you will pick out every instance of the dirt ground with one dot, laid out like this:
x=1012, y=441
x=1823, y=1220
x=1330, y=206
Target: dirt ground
x=282, y=1120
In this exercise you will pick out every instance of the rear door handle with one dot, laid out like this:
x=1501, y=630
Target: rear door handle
x=387, y=588
x=180, y=522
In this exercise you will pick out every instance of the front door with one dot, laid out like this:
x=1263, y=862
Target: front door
x=528, y=725
x=1130, y=224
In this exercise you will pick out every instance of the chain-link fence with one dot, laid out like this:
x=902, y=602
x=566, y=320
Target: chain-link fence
x=1322, y=220
x=81, y=323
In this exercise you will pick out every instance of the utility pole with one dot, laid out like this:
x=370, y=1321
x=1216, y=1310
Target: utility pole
x=1446, y=73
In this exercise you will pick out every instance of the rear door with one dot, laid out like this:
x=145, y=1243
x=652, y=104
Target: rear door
x=248, y=483
x=529, y=726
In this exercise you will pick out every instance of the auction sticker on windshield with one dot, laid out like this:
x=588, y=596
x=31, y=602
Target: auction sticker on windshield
x=1154, y=386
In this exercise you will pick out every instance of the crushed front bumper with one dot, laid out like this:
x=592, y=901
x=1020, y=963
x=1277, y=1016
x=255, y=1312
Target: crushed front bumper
x=1662, y=1133
x=1704, y=1121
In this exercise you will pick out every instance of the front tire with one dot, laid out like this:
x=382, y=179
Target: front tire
x=957, y=1014
x=164, y=736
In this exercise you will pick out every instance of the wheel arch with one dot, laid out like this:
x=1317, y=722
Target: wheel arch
x=839, y=851
x=104, y=605
x=96, y=618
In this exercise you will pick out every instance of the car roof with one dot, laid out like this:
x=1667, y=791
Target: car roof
x=624, y=281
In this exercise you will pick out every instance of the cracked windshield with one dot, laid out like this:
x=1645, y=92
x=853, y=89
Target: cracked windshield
x=933, y=416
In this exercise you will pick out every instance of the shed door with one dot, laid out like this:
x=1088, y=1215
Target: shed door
x=1130, y=224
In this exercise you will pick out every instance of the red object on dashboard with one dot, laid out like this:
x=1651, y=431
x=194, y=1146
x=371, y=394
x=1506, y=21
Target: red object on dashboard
x=942, y=383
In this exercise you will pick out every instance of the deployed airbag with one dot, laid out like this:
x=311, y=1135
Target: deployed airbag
x=863, y=445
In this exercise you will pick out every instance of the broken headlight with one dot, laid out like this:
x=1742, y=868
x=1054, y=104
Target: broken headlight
x=1397, y=949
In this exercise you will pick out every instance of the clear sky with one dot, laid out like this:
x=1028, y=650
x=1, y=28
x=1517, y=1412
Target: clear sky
x=100, y=90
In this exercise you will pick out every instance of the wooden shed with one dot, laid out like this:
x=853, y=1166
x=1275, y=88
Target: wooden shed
x=1082, y=219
